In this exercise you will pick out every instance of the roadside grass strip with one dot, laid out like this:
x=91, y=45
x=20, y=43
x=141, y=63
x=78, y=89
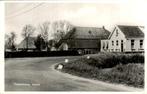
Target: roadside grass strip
x=118, y=68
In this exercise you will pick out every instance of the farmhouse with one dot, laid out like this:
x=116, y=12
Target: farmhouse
x=27, y=44
x=86, y=40
x=124, y=39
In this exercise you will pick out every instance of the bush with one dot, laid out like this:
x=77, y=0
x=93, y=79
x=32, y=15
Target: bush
x=131, y=74
x=79, y=66
x=108, y=60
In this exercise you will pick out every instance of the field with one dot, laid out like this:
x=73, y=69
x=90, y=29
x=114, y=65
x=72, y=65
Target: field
x=118, y=68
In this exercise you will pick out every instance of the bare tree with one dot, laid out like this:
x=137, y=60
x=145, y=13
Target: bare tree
x=13, y=36
x=7, y=41
x=39, y=43
x=10, y=41
x=27, y=32
x=59, y=35
x=44, y=28
x=60, y=29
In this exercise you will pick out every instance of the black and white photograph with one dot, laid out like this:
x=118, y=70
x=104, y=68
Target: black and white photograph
x=74, y=46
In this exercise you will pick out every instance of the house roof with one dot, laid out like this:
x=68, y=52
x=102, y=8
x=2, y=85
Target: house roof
x=85, y=37
x=30, y=43
x=131, y=31
x=87, y=33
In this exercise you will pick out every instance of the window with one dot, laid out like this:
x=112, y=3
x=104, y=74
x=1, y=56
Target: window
x=121, y=41
x=141, y=43
x=117, y=50
x=103, y=45
x=87, y=52
x=107, y=45
x=117, y=42
x=132, y=44
x=116, y=32
x=112, y=43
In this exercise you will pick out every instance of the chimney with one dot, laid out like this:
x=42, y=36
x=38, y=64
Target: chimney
x=103, y=27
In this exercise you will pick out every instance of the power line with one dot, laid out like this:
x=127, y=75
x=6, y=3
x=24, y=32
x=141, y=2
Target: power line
x=25, y=11
x=20, y=9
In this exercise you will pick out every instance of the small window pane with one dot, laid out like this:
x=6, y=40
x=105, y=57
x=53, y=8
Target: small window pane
x=117, y=42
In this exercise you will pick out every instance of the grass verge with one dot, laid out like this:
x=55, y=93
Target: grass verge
x=110, y=67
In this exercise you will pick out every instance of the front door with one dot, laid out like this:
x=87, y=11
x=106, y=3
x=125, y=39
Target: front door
x=122, y=46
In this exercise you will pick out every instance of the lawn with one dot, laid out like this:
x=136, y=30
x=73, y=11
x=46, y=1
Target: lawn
x=120, y=68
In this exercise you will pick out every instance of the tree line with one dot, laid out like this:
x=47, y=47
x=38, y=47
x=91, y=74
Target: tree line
x=42, y=41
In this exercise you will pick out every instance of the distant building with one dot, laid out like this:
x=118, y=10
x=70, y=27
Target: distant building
x=23, y=44
x=124, y=39
x=86, y=40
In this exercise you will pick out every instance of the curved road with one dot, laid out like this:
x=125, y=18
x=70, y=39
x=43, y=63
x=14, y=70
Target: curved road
x=38, y=74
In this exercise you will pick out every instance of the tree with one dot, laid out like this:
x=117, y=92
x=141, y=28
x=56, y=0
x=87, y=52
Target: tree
x=52, y=43
x=59, y=35
x=27, y=32
x=44, y=29
x=7, y=41
x=60, y=28
x=10, y=41
x=39, y=43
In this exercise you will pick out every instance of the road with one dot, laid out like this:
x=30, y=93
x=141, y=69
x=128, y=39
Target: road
x=38, y=74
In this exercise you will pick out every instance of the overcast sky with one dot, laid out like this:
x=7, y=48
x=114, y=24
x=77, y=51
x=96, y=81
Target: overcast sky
x=79, y=14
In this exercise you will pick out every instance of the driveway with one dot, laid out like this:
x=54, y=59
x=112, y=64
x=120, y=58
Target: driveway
x=38, y=74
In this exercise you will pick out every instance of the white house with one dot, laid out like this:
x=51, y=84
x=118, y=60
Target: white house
x=124, y=39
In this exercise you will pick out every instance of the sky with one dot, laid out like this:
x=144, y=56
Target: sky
x=17, y=15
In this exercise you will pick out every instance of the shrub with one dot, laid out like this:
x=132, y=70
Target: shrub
x=131, y=74
x=108, y=60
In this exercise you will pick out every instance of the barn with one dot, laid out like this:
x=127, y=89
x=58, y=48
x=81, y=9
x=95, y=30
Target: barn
x=85, y=40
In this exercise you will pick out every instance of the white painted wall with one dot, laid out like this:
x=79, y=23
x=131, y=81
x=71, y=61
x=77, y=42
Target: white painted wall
x=53, y=49
x=114, y=38
x=104, y=44
x=65, y=47
x=136, y=44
